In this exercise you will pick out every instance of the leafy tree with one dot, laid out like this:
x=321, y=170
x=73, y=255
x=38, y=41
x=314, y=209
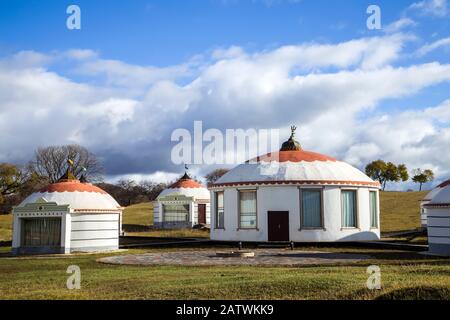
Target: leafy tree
x=11, y=180
x=51, y=163
x=386, y=172
x=213, y=176
x=422, y=176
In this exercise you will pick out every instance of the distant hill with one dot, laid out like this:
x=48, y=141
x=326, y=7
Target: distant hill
x=400, y=210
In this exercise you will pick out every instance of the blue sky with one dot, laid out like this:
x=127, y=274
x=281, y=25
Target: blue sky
x=119, y=80
x=170, y=31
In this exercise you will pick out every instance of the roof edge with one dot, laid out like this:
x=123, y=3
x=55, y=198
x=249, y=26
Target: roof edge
x=297, y=182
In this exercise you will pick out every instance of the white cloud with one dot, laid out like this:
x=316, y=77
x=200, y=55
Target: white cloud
x=81, y=54
x=438, y=8
x=399, y=25
x=127, y=118
x=433, y=46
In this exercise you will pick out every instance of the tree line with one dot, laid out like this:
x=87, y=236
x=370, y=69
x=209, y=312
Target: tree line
x=384, y=172
x=50, y=164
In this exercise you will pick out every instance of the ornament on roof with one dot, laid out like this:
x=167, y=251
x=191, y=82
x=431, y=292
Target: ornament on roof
x=186, y=175
x=291, y=144
x=68, y=175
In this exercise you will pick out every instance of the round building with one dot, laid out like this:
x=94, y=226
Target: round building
x=295, y=195
x=67, y=216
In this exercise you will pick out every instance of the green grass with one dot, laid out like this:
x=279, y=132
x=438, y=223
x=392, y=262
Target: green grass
x=404, y=276
x=138, y=214
x=400, y=210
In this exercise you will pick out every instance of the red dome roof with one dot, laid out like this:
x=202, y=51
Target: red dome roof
x=293, y=156
x=72, y=186
x=185, y=182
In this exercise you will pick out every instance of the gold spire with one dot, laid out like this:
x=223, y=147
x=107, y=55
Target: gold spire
x=68, y=175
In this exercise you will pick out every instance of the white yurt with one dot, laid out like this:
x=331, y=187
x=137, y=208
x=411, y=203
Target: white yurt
x=184, y=204
x=438, y=222
x=427, y=199
x=67, y=216
x=295, y=195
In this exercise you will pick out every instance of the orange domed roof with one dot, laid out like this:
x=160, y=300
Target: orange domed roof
x=186, y=182
x=293, y=156
x=71, y=186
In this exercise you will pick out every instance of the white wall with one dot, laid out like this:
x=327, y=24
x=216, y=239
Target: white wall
x=94, y=232
x=287, y=198
x=439, y=230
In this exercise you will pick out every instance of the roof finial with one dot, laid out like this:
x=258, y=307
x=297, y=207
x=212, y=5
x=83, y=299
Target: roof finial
x=291, y=144
x=293, y=128
x=68, y=175
x=186, y=175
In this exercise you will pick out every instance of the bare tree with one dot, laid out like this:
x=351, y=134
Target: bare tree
x=51, y=163
x=215, y=175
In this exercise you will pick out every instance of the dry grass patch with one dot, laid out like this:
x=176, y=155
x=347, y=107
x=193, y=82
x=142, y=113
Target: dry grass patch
x=400, y=210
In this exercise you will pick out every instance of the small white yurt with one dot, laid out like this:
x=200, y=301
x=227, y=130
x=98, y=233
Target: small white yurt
x=184, y=204
x=427, y=199
x=438, y=224
x=67, y=216
x=295, y=195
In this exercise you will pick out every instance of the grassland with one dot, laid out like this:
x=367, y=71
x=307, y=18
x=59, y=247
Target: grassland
x=138, y=214
x=5, y=227
x=400, y=210
x=404, y=276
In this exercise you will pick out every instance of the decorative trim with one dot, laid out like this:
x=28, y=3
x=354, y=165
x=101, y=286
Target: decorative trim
x=297, y=182
x=94, y=211
x=437, y=205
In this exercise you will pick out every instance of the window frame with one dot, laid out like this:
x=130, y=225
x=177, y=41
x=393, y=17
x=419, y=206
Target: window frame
x=322, y=212
x=188, y=216
x=376, y=210
x=239, y=191
x=355, y=190
x=216, y=210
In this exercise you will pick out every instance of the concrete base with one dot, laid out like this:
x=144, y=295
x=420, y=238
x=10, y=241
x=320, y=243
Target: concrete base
x=439, y=249
x=60, y=250
x=172, y=225
x=37, y=250
x=94, y=249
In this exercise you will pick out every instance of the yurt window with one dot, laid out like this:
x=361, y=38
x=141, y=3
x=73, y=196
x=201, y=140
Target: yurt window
x=220, y=223
x=349, y=209
x=176, y=213
x=247, y=209
x=41, y=232
x=373, y=209
x=311, y=214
